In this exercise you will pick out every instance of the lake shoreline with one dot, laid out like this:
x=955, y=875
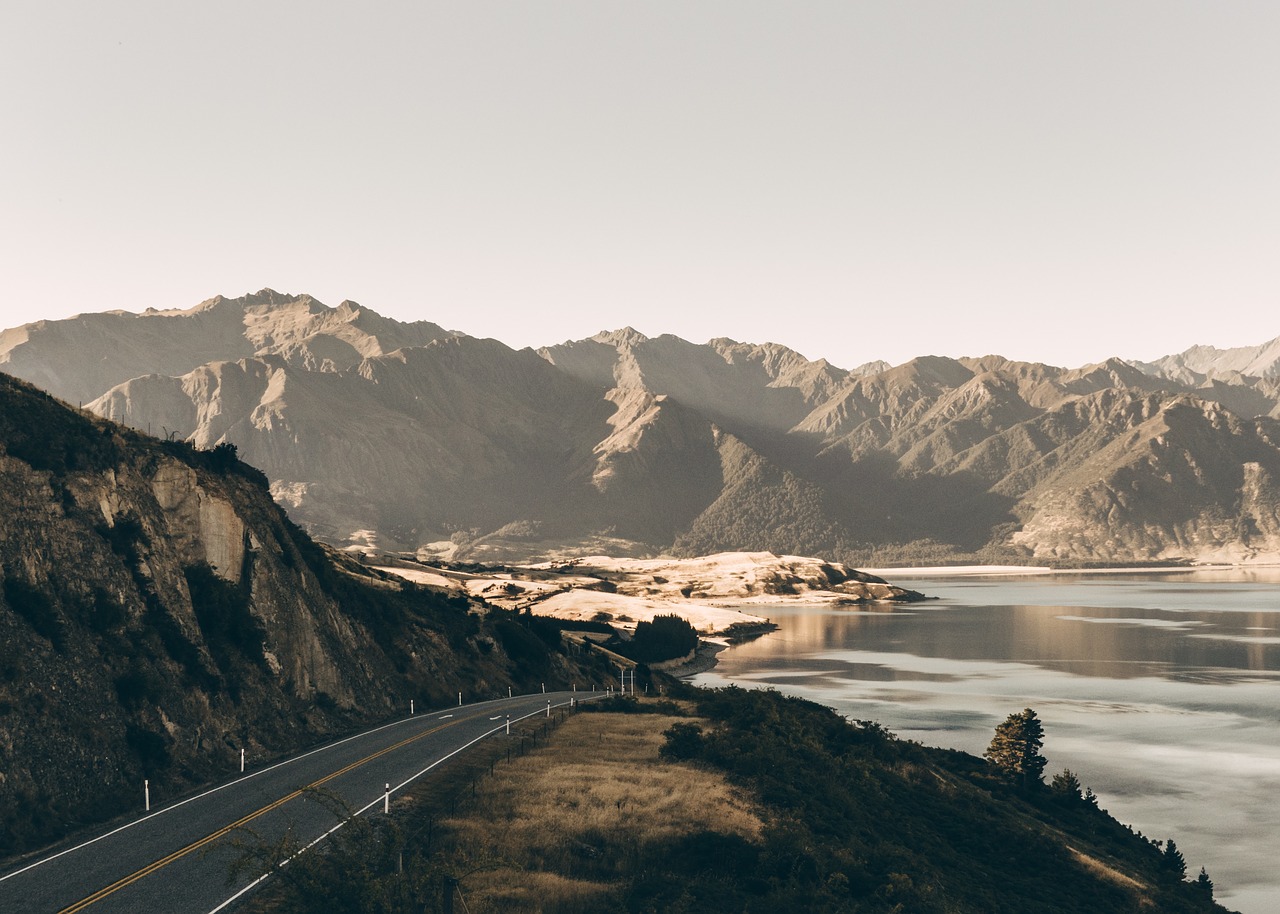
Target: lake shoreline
x=1148, y=683
x=938, y=571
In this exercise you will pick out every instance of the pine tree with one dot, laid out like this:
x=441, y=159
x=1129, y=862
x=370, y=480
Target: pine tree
x=1204, y=883
x=1015, y=749
x=1067, y=784
x=1174, y=863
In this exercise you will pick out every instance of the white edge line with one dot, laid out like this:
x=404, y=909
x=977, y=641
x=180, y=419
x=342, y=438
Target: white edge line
x=241, y=780
x=405, y=783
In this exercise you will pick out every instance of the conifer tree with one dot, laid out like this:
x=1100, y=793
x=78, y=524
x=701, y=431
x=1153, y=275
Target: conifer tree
x=1067, y=784
x=1015, y=749
x=1174, y=863
x=1204, y=883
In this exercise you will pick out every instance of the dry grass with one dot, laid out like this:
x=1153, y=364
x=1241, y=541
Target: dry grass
x=549, y=831
x=1111, y=874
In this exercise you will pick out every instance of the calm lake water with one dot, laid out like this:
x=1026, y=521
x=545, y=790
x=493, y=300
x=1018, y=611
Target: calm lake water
x=1162, y=692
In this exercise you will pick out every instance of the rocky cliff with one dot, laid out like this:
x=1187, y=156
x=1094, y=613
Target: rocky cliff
x=158, y=612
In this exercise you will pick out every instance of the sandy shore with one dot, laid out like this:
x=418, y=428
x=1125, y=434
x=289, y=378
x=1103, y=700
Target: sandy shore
x=713, y=593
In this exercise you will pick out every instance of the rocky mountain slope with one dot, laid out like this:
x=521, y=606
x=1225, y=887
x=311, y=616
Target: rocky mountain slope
x=159, y=612
x=409, y=437
x=1199, y=363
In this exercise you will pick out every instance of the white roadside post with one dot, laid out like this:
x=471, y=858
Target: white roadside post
x=242, y=759
x=508, y=725
x=544, y=688
x=508, y=691
x=386, y=800
x=411, y=707
x=146, y=794
x=548, y=707
x=459, y=699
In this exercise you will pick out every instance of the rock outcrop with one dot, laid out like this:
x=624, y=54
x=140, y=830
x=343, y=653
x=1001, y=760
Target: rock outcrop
x=159, y=612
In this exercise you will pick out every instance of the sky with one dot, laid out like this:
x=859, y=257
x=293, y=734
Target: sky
x=1052, y=181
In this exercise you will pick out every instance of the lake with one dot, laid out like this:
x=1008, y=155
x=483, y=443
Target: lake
x=1160, y=691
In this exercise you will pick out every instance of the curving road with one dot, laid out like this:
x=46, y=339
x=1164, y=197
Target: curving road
x=176, y=858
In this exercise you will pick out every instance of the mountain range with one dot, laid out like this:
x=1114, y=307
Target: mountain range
x=408, y=436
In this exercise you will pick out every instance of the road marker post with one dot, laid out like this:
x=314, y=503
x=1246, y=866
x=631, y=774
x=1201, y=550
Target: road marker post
x=411, y=707
x=508, y=725
x=508, y=691
x=242, y=759
x=459, y=699
x=146, y=794
x=386, y=800
x=548, y=707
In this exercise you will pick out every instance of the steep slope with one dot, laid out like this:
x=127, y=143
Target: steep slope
x=1190, y=480
x=51, y=354
x=747, y=388
x=1199, y=362
x=762, y=507
x=158, y=612
x=458, y=434
x=406, y=437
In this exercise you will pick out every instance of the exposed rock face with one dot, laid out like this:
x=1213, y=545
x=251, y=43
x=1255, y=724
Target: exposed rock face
x=407, y=437
x=1205, y=362
x=158, y=612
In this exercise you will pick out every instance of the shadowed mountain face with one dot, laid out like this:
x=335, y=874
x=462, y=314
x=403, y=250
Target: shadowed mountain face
x=413, y=437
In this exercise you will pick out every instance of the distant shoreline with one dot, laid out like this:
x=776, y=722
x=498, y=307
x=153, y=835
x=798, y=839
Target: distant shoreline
x=938, y=571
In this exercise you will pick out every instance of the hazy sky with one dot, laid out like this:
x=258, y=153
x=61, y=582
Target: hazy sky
x=1059, y=181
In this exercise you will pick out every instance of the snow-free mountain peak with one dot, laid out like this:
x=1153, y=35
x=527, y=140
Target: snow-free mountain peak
x=410, y=436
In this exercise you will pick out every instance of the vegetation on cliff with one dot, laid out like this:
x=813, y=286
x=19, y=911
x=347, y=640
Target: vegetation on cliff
x=159, y=613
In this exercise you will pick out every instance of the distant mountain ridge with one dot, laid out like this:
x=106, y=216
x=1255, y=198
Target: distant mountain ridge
x=1201, y=363
x=409, y=436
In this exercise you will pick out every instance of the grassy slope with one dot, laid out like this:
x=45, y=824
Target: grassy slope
x=779, y=805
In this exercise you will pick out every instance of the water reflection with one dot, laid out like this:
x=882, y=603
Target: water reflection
x=1161, y=690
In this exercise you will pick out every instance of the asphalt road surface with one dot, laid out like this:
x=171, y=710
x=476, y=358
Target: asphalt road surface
x=176, y=858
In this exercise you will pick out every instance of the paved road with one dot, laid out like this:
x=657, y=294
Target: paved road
x=176, y=858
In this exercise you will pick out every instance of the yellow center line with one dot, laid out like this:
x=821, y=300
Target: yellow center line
x=196, y=845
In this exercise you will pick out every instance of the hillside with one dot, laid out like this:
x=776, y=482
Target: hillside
x=159, y=612
x=407, y=437
x=743, y=801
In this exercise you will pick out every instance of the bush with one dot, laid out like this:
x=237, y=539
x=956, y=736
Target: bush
x=684, y=741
